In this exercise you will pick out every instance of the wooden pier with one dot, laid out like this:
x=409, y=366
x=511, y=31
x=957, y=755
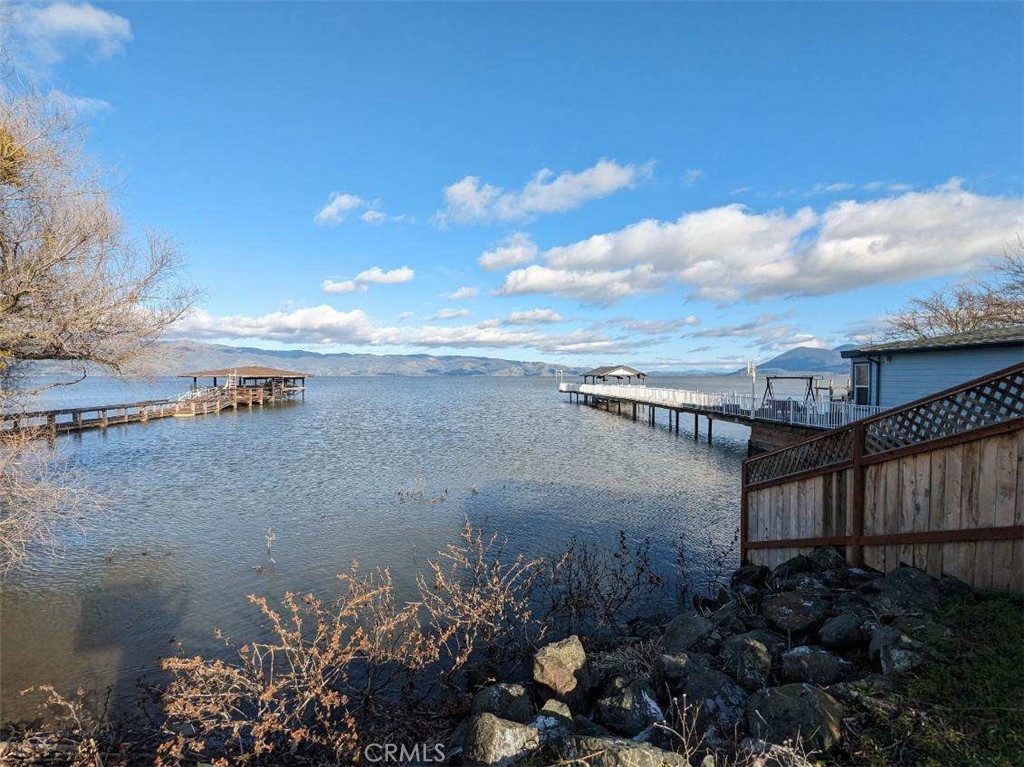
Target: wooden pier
x=243, y=388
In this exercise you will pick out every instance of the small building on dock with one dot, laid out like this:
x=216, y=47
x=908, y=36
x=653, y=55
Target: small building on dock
x=893, y=374
x=620, y=374
x=274, y=382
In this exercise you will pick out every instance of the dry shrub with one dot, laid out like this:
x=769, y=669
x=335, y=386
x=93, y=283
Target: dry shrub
x=332, y=677
x=473, y=601
x=587, y=586
x=72, y=736
x=632, y=660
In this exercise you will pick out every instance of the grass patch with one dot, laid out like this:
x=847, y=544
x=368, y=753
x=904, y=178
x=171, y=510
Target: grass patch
x=965, y=706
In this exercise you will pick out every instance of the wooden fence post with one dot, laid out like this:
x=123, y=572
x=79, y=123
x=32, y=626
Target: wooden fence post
x=743, y=508
x=856, y=553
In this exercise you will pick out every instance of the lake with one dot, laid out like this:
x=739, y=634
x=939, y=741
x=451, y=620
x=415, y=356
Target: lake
x=189, y=502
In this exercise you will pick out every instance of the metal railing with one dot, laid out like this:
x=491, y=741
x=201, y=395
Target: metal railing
x=821, y=414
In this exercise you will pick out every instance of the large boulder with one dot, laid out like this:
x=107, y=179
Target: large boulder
x=905, y=591
x=812, y=664
x=748, y=660
x=796, y=612
x=895, y=652
x=778, y=714
x=827, y=558
x=841, y=632
x=498, y=742
x=798, y=565
x=627, y=706
x=508, y=701
x=719, y=698
x=616, y=752
x=687, y=631
x=559, y=665
x=670, y=670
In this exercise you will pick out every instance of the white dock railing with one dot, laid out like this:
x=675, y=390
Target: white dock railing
x=824, y=414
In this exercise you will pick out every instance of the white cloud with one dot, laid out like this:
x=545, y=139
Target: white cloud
x=741, y=190
x=514, y=250
x=406, y=315
x=82, y=106
x=324, y=325
x=450, y=314
x=373, y=275
x=659, y=327
x=840, y=186
x=692, y=176
x=469, y=199
x=462, y=293
x=593, y=287
x=44, y=35
x=338, y=206
x=731, y=252
x=374, y=217
x=533, y=317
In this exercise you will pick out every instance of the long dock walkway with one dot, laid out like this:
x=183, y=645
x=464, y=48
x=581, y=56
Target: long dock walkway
x=195, y=403
x=773, y=422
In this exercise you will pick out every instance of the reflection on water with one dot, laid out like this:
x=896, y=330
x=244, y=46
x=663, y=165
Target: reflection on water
x=191, y=501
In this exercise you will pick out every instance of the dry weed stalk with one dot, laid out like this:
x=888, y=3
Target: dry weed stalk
x=588, y=586
x=72, y=733
x=475, y=601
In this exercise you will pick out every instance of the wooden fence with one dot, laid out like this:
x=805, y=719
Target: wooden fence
x=937, y=484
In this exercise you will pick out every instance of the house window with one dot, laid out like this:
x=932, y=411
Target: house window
x=861, y=384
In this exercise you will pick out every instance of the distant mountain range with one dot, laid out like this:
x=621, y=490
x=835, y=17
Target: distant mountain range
x=806, y=359
x=173, y=357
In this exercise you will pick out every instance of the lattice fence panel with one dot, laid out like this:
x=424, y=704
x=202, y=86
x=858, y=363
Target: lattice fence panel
x=834, y=448
x=991, y=402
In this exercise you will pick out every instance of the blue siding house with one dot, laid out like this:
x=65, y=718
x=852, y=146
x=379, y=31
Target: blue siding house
x=895, y=373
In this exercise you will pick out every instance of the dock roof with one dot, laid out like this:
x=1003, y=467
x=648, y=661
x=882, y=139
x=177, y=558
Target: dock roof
x=619, y=371
x=246, y=371
x=1010, y=335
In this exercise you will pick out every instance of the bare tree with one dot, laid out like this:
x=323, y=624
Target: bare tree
x=74, y=287
x=998, y=302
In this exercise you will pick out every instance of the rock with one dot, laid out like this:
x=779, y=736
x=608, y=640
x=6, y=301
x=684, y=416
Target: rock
x=953, y=589
x=584, y=727
x=841, y=632
x=778, y=714
x=827, y=558
x=616, y=752
x=774, y=643
x=747, y=660
x=670, y=670
x=499, y=742
x=802, y=582
x=720, y=699
x=861, y=690
x=553, y=722
x=627, y=707
x=507, y=701
x=791, y=567
x=648, y=627
x=904, y=591
x=556, y=708
x=895, y=651
x=812, y=664
x=750, y=575
x=796, y=611
x=686, y=631
x=559, y=665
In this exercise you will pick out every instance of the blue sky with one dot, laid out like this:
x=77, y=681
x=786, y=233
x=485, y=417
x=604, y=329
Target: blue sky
x=672, y=185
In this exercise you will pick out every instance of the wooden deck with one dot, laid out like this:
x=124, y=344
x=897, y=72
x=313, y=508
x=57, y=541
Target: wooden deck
x=196, y=403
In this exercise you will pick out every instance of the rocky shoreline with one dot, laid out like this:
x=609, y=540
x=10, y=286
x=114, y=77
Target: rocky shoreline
x=771, y=672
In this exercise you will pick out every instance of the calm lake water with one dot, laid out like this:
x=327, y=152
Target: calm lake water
x=190, y=501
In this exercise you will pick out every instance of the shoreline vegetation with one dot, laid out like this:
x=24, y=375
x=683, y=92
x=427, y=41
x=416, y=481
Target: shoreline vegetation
x=503, y=659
